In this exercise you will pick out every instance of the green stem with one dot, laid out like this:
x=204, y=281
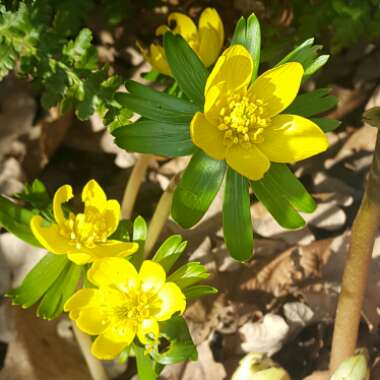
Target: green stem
x=160, y=216
x=355, y=276
x=95, y=366
x=133, y=185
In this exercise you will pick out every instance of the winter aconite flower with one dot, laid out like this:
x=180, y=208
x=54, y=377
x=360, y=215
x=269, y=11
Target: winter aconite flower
x=243, y=123
x=125, y=304
x=83, y=236
x=206, y=40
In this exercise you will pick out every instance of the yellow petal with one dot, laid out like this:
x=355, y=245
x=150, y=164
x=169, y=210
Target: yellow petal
x=82, y=298
x=157, y=59
x=93, y=195
x=111, y=215
x=162, y=29
x=62, y=195
x=124, y=331
x=106, y=349
x=111, y=248
x=292, y=138
x=112, y=271
x=80, y=258
x=147, y=327
x=233, y=70
x=210, y=19
x=211, y=36
x=207, y=136
x=184, y=25
x=152, y=275
x=173, y=300
x=93, y=320
x=49, y=236
x=250, y=163
x=214, y=102
x=278, y=87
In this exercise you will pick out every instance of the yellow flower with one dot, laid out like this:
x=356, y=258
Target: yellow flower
x=125, y=304
x=206, y=40
x=242, y=121
x=84, y=236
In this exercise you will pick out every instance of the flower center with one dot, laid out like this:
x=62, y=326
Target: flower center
x=137, y=306
x=243, y=121
x=85, y=229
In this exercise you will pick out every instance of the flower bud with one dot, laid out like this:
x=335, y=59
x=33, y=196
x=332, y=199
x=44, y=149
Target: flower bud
x=353, y=368
x=257, y=366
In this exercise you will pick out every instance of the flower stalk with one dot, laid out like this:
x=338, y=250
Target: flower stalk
x=133, y=185
x=94, y=365
x=160, y=216
x=354, y=283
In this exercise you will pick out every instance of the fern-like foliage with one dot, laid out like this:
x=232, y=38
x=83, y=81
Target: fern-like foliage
x=35, y=42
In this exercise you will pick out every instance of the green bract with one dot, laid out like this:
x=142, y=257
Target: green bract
x=164, y=130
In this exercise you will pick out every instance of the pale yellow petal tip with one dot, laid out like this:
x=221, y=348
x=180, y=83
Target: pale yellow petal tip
x=61, y=196
x=93, y=193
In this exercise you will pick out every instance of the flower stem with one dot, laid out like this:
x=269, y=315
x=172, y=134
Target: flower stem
x=354, y=283
x=133, y=185
x=95, y=367
x=160, y=216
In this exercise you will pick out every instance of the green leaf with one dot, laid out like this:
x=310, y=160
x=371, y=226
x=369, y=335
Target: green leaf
x=123, y=231
x=16, y=219
x=197, y=291
x=274, y=200
x=140, y=231
x=327, y=125
x=145, y=365
x=154, y=137
x=189, y=274
x=51, y=305
x=281, y=177
x=307, y=55
x=187, y=68
x=312, y=103
x=247, y=33
x=170, y=251
x=156, y=105
x=181, y=346
x=39, y=280
x=197, y=189
x=237, y=223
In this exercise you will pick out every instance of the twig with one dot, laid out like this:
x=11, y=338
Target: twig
x=94, y=365
x=354, y=283
x=160, y=216
x=133, y=185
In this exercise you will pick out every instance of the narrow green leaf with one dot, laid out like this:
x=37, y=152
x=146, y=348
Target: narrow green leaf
x=237, y=223
x=38, y=280
x=187, y=68
x=247, y=33
x=197, y=291
x=16, y=219
x=156, y=105
x=181, y=346
x=140, y=230
x=145, y=365
x=154, y=137
x=52, y=303
x=275, y=202
x=123, y=231
x=197, y=189
x=327, y=125
x=282, y=178
x=189, y=274
x=312, y=103
x=307, y=55
x=170, y=251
